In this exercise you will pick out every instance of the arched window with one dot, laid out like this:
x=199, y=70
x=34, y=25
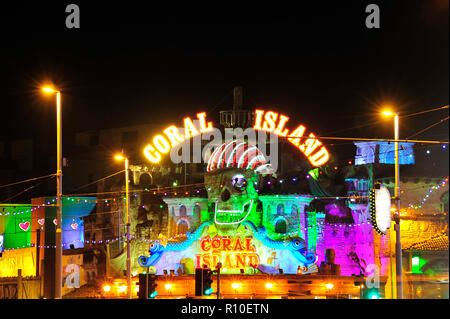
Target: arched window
x=182, y=227
x=280, y=209
x=196, y=210
x=280, y=226
x=183, y=211
x=294, y=211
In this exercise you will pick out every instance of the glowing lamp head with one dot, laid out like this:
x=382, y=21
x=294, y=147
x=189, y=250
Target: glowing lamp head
x=48, y=89
x=388, y=113
x=329, y=286
x=119, y=157
x=106, y=288
x=269, y=285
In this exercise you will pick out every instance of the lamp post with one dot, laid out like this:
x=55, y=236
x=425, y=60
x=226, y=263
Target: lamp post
x=120, y=157
x=398, y=243
x=58, y=236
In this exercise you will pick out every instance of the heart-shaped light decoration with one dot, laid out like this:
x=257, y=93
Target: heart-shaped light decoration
x=74, y=226
x=41, y=221
x=55, y=221
x=24, y=226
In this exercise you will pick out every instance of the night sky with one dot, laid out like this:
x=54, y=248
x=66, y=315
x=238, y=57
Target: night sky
x=134, y=64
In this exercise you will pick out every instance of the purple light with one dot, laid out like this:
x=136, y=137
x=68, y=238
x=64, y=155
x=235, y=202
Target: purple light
x=268, y=182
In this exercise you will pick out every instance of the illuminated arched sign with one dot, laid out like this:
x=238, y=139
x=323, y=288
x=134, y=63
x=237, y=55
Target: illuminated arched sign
x=269, y=121
x=312, y=147
x=163, y=143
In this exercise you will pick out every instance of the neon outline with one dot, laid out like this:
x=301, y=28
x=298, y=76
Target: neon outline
x=233, y=211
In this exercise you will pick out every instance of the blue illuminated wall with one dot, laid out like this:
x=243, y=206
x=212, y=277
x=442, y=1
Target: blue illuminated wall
x=383, y=153
x=74, y=208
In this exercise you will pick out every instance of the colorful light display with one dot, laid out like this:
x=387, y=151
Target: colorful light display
x=269, y=121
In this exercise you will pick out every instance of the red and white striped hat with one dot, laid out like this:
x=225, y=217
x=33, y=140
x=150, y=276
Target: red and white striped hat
x=239, y=154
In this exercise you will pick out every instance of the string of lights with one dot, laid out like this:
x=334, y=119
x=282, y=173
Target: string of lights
x=434, y=188
x=176, y=237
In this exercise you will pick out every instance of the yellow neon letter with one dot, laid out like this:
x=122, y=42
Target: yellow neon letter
x=258, y=119
x=172, y=133
x=203, y=128
x=161, y=143
x=297, y=133
x=310, y=145
x=155, y=158
x=189, y=128
x=269, y=123
x=320, y=158
x=279, y=131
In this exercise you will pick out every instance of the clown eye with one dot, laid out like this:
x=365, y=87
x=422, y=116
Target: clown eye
x=225, y=195
x=239, y=182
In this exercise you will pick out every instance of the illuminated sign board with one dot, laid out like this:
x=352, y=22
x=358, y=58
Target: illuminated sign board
x=311, y=147
x=269, y=121
x=233, y=253
x=380, y=208
x=15, y=259
x=163, y=143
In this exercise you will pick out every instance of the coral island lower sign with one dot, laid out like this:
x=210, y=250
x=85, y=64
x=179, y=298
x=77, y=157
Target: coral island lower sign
x=252, y=251
x=233, y=253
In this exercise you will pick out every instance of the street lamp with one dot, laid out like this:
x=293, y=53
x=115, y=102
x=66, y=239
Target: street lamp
x=58, y=237
x=398, y=244
x=120, y=158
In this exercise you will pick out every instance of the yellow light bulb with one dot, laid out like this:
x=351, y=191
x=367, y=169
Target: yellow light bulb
x=119, y=157
x=48, y=90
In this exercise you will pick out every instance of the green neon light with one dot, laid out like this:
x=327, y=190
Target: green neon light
x=416, y=264
x=15, y=224
x=314, y=173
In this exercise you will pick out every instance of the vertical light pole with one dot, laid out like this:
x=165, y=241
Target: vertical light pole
x=398, y=243
x=120, y=157
x=58, y=236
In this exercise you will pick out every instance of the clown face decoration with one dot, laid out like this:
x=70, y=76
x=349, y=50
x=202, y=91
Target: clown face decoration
x=231, y=180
